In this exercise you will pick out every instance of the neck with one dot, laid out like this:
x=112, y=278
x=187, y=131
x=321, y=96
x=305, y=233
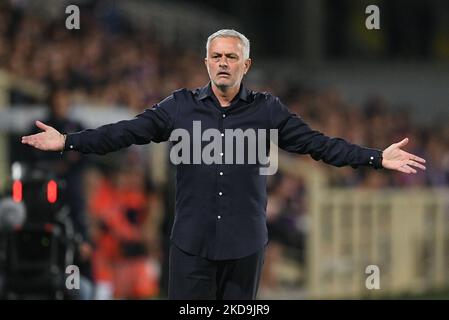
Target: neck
x=226, y=94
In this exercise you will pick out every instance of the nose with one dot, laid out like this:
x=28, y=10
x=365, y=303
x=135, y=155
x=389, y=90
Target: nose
x=223, y=63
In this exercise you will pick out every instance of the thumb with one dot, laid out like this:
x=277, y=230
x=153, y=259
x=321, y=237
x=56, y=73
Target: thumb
x=402, y=143
x=42, y=125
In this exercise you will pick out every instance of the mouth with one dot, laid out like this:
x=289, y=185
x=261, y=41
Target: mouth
x=223, y=74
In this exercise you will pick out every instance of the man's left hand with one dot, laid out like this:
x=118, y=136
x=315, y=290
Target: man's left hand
x=396, y=159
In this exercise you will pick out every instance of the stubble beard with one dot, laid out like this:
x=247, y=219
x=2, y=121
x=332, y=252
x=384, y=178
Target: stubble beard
x=224, y=87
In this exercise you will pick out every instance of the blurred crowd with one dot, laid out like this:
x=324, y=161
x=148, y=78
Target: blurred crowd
x=376, y=124
x=108, y=62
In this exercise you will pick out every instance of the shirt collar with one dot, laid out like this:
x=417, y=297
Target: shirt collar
x=206, y=91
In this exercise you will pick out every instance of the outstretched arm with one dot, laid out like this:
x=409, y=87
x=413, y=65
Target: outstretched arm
x=153, y=124
x=296, y=136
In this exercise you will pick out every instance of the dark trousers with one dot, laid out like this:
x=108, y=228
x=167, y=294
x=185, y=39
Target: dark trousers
x=195, y=278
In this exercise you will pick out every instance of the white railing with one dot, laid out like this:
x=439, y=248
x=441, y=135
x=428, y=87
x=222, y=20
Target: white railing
x=403, y=232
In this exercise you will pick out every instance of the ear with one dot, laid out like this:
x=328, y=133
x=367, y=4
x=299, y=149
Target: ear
x=247, y=65
x=205, y=62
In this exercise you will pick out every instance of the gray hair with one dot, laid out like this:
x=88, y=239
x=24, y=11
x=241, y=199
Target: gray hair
x=224, y=33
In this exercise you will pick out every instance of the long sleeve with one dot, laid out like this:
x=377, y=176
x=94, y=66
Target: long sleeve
x=154, y=124
x=296, y=136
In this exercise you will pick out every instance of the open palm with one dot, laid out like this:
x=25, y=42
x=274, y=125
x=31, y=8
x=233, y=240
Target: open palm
x=48, y=140
x=395, y=158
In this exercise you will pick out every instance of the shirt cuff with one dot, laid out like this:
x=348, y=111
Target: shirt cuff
x=70, y=143
x=374, y=158
x=370, y=158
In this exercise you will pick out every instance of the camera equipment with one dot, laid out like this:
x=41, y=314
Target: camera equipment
x=12, y=214
x=38, y=234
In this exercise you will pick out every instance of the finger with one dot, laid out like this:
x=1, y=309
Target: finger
x=416, y=164
x=407, y=169
x=402, y=169
x=26, y=139
x=30, y=143
x=416, y=158
x=42, y=125
x=402, y=143
x=30, y=140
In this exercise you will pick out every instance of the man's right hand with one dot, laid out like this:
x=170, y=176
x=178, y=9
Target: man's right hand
x=48, y=140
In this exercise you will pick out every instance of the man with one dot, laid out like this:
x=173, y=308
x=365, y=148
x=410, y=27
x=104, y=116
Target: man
x=70, y=167
x=219, y=233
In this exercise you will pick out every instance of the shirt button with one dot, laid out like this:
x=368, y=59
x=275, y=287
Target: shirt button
x=219, y=217
x=220, y=193
x=372, y=158
x=222, y=134
x=224, y=116
x=221, y=173
x=71, y=147
x=221, y=154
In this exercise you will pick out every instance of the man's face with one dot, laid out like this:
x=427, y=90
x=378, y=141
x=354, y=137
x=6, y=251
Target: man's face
x=225, y=62
x=61, y=104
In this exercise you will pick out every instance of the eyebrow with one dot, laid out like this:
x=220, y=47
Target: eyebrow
x=227, y=54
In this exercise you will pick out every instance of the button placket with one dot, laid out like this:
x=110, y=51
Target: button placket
x=220, y=171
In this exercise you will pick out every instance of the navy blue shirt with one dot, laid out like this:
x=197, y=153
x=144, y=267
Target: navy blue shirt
x=220, y=208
